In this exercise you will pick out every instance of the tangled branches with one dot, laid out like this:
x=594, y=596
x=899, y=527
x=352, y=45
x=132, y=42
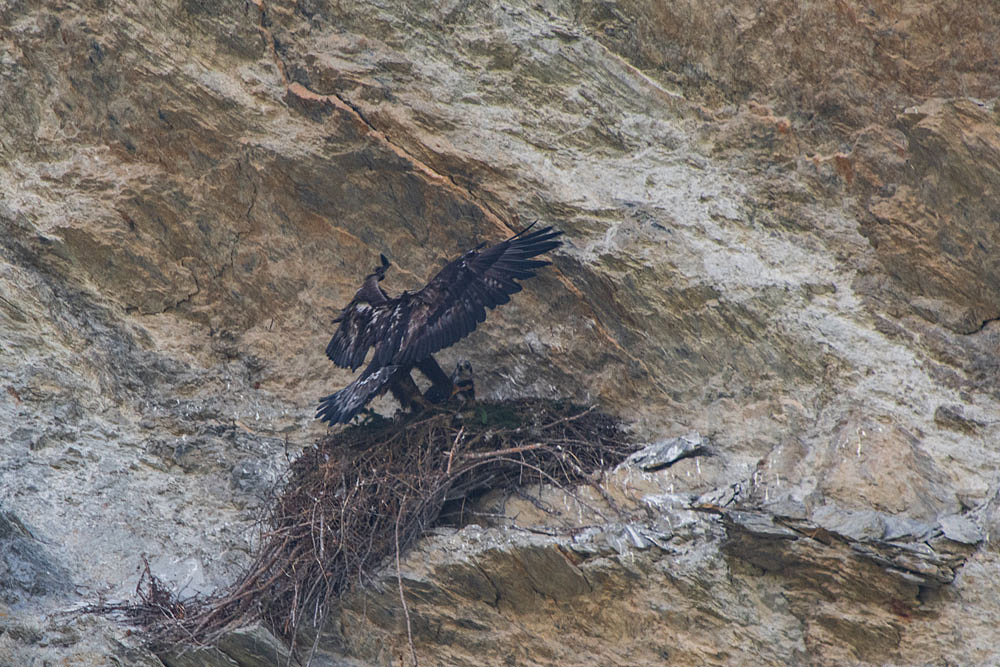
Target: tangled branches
x=350, y=503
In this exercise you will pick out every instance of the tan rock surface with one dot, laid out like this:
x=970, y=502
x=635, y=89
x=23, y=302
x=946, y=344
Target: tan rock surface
x=780, y=231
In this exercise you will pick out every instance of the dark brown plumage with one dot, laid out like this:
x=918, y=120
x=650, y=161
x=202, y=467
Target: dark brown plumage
x=406, y=330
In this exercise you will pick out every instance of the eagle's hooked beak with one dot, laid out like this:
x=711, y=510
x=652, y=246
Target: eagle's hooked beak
x=380, y=270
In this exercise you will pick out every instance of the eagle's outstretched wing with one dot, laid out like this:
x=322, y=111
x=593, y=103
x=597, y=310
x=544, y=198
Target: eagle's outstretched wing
x=340, y=407
x=456, y=299
x=362, y=326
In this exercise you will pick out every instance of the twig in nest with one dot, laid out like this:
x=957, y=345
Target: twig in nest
x=570, y=418
x=505, y=452
x=454, y=446
x=399, y=580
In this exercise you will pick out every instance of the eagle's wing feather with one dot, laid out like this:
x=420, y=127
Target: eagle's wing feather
x=454, y=302
x=362, y=326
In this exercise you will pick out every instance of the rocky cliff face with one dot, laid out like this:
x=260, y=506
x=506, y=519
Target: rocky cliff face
x=781, y=228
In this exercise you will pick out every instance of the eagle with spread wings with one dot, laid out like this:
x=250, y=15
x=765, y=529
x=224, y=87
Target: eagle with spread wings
x=407, y=330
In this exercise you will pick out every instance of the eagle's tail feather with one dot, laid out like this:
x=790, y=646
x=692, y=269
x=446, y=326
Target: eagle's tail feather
x=340, y=408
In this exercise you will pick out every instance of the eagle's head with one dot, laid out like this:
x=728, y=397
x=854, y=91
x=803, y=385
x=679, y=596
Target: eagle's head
x=379, y=271
x=370, y=291
x=463, y=371
x=464, y=384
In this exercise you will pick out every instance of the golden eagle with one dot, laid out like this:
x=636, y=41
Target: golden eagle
x=406, y=330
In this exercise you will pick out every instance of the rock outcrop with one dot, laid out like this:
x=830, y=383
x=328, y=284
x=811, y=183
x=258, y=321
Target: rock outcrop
x=781, y=231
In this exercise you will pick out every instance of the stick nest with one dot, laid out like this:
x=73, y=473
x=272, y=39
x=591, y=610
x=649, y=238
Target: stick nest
x=360, y=496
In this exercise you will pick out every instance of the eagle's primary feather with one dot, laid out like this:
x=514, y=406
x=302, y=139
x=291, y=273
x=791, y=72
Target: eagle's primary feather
x=407, y=330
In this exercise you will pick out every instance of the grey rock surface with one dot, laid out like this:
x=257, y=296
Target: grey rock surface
x=26, y=571
x=780, y=233
x=667, y=452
